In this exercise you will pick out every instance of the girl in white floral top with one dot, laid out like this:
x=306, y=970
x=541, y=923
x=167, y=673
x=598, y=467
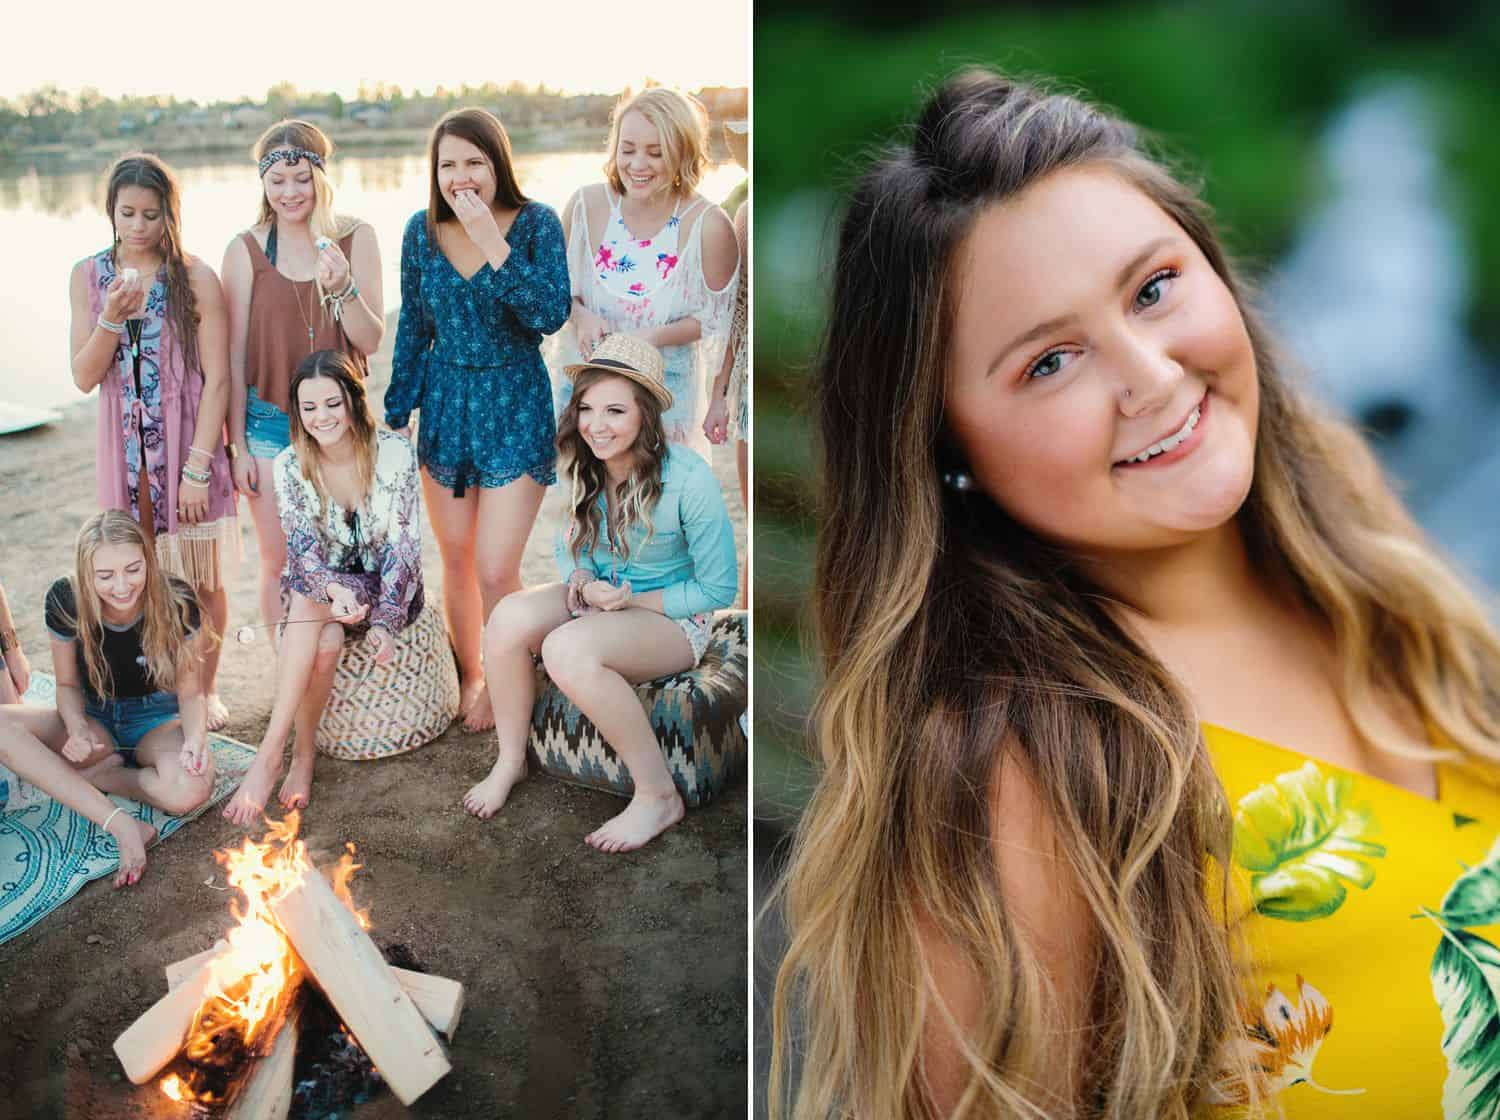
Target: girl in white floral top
x=351, y=509
x=649, y=256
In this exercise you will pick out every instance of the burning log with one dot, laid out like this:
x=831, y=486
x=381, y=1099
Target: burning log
x=340, y=956
x=267, y=1093
x=154, y=1039
x=439, y=999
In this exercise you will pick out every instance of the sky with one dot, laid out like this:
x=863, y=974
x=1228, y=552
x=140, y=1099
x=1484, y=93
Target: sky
x=576, y=45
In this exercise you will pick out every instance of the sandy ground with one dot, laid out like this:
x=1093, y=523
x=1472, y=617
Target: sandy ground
x=597, y=986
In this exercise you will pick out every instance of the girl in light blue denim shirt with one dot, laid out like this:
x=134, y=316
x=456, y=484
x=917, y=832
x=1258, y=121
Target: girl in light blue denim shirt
x=646, y=555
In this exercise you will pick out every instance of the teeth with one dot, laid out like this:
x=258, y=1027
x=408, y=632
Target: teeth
x=1171, y=441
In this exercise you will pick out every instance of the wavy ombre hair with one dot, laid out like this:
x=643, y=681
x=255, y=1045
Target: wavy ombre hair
x=637, y=496
x=166, y=606
x=345, y=372
x=953, y=637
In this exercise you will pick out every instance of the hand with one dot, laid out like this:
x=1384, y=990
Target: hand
x=192, y=501
x=716, y=423
x=591, y=330
x=124, y=299
x=19, y=669
x=600, y=593
x=346, y=605
x=246, y=473
x=576, y=583
x=479, y=223
x=383, y=644
x=333, y=268
x=194, y=755
x=80, y=746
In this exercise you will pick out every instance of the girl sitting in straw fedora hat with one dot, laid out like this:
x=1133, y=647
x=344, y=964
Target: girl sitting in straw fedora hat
x=351, y=510
x=646, y=555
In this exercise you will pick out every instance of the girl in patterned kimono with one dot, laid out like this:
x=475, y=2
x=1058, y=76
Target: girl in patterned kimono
x=149, y=330
x=351, y=510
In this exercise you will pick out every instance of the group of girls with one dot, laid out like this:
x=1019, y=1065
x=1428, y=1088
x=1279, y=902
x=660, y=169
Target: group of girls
x=255, y=386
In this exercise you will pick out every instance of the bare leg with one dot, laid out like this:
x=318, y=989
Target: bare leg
x=271, y=543
x=596, y=660
x=215, y=607
x=296, y=790
x=742, y=466
x=515, y=630
x=8, y=693
x=506, y=515
x=454, y=523
x=29, y=740
x=160, y=779
x=294, y=670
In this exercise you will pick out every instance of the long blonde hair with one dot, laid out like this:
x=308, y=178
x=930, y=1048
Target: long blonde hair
x=680, y=121
x=323, y=222
x=166, y=605
x=951, y=635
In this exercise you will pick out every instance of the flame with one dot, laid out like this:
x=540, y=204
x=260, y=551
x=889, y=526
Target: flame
x=254, y=979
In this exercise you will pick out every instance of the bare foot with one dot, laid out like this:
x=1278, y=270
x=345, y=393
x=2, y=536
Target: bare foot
x=484, y=800
x=132, y=838
x=474, y=706
x=646, y=817
x=296, y=791
x=218, y=714
x=249, y=801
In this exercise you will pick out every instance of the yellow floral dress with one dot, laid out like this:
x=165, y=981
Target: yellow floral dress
x=1373, y=917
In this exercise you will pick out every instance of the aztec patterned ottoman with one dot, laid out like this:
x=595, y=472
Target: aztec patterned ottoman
x=696, y=716
x=376, y=711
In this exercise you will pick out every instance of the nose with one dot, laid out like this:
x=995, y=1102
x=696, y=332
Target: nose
x=1147, y=374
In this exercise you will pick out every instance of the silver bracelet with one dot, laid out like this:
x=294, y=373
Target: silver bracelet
x=112, y=328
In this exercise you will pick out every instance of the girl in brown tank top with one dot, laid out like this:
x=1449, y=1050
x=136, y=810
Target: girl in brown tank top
x=301, y=279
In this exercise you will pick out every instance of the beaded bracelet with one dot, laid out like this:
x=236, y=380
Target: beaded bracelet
x=202, y=478
x=112, y=328
x=199, y=451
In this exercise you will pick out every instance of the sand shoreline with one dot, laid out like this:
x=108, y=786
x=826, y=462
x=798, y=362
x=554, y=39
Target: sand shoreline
x=598, y=986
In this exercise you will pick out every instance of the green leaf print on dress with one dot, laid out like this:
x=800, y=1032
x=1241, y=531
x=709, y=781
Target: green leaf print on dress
x=1302, y=841
x=1466, y=983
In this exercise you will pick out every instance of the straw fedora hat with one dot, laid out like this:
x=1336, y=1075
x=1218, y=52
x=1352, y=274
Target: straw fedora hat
x=630, y=357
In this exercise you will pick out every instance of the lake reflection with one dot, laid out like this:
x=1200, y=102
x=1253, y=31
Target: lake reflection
x=50, y=218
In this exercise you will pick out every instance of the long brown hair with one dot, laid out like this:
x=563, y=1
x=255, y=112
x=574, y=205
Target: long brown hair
x=483, y=129
x=952, y=636
x=166, y=606
x=342, y=369
x=637, y=496
x=141, y=169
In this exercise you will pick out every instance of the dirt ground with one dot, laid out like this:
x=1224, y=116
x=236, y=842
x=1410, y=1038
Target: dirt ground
x=596, y=986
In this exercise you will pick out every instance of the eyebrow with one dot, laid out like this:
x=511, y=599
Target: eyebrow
x=1045, y=328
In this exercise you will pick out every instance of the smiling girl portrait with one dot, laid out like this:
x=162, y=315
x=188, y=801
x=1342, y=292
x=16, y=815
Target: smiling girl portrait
x=1155, y=737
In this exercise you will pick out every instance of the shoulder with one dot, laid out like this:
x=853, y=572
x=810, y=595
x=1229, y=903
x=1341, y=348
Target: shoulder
x=357, y=232
x=540, y=218
x=416, y=226
x=61, y=609
x=685, y=467
x=61, y=594
x=717, y=230
x=201, y=274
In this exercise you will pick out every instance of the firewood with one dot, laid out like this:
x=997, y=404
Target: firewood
x=149, y=1043
x=267, y=1092
x=345, y=963
x=439, y=999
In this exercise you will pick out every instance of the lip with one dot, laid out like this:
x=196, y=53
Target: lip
x=1181, y=451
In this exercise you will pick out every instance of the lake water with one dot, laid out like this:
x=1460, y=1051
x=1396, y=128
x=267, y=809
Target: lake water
x=49, y=219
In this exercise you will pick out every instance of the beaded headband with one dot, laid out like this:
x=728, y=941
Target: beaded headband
x=290, y=155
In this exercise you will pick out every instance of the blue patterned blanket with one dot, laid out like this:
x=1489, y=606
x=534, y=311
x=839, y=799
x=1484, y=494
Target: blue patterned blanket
x=48, y=852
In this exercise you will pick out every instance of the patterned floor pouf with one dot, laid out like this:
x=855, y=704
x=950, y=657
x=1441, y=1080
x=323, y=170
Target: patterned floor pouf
x=696, y=716
x=376, y=711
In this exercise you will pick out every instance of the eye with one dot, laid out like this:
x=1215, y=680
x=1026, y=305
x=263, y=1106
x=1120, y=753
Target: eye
x=1050, y=363
x=1154, y=290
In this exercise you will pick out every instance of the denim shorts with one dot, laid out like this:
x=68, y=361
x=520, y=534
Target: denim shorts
x=267, y=429
x=130, y=719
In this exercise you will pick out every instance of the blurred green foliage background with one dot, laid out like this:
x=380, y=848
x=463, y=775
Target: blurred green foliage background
x=1237, y=91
